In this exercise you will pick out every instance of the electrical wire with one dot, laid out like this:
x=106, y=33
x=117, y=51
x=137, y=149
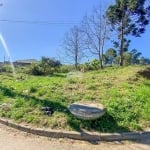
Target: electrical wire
x=38, y=22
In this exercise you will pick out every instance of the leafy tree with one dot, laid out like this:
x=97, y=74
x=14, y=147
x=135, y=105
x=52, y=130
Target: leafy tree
x=126, y=44
x=111, y=54
x=135, y=55
x=128, y=17
x=50, y=62
x=144, y=61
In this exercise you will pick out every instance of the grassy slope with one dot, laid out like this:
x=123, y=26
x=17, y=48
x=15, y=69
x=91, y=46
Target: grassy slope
x=124, y=91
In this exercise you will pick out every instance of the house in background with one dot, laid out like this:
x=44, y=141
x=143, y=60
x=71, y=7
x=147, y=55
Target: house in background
x=24, y=62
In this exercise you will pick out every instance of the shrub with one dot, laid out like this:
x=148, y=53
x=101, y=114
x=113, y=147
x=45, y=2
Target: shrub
x=85, y=67
x=35, y=69
x=46, y=66
x=95, y=64
x=33, y=89
x=92, y=65
x=66, y=68
x=6, y=68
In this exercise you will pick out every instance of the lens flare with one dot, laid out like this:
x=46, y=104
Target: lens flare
x=7, y=52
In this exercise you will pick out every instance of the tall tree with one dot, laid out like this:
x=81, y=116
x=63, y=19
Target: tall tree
x=73, y=45
x=128, y=17
x=96, y=31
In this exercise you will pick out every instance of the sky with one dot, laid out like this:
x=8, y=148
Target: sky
x=33, y=40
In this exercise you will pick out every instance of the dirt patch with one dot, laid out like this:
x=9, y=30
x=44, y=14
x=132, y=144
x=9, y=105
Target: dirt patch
x=11, y=139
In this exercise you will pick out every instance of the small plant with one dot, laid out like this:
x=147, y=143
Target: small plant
x=18, y=114
x=72, y=81
x=41, y=92
x=91, y=87
x=33, y=89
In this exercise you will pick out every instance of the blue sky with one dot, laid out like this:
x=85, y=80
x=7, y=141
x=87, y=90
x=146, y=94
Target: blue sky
x=27, y=41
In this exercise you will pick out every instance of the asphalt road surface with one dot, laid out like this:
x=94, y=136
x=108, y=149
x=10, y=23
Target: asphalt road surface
x=11, y=139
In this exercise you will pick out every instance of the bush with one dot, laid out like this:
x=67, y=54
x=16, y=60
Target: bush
x=92, y=65
x=47, y=66
x=35, y=69
x=95, y=65
x=66, y=68
x=6, y=68
x=85, y=67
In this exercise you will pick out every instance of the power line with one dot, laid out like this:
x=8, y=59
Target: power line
x=38, y=22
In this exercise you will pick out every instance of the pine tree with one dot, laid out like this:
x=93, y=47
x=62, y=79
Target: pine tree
x=128, y=17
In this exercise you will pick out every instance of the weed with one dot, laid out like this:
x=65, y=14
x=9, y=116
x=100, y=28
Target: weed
x=33, y=89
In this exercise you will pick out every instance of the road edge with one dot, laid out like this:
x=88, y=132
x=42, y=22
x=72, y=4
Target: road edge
x=84, y=135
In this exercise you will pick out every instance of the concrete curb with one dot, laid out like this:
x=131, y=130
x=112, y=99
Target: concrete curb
x=89, y=136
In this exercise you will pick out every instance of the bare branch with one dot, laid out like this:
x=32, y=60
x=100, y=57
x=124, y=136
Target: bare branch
x=96, y=30
x=74, y=45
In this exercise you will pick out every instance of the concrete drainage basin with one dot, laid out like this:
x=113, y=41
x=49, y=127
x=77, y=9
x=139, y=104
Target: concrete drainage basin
x=87, y=111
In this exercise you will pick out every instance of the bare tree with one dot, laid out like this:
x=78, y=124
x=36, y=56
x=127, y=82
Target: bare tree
x=96, y=30
x=74, y=46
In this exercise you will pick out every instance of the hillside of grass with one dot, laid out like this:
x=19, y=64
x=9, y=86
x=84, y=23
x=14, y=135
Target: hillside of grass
x=125, y=92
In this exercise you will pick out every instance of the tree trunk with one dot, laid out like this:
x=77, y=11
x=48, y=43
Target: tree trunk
x=76, y=62
x=99, y=53
x=100, y=61
x=121, y=44
x=76, y=51
x=103, y=41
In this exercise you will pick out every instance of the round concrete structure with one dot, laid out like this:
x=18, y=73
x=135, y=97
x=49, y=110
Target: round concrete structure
x=87, y=111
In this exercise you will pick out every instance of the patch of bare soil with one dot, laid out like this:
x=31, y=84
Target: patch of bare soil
x=11, y=139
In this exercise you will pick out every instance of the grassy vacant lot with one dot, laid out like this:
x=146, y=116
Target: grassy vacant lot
x=124, y=91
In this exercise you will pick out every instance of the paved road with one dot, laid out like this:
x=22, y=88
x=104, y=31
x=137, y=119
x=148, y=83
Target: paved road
x=11, y=139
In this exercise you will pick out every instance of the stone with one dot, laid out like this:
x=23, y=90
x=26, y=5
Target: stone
x=47, y=110
x=87, y=111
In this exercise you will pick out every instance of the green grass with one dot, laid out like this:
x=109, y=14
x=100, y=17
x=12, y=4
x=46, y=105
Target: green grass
x=125, y=92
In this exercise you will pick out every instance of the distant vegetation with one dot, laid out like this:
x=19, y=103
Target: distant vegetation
x=114, y=24
x=46, y=66
x=49, y=66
